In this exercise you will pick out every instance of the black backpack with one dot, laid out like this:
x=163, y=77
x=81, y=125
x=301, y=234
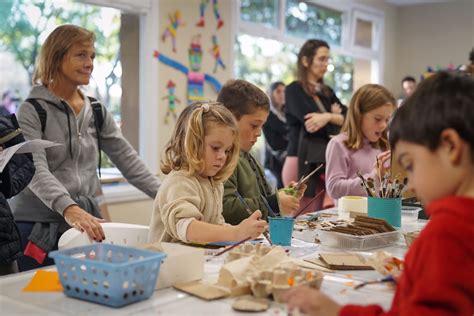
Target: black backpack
x=20, y=169
x=96, y=110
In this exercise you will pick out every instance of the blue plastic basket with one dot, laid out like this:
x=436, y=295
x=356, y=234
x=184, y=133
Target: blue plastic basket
x=108, y=274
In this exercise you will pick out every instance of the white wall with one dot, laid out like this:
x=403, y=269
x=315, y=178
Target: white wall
x=434, y=34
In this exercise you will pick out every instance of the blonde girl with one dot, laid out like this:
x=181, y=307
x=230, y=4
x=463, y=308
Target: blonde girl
x=202, y=153
x=362, y=139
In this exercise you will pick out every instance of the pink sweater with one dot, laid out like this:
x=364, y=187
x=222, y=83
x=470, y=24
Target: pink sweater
x=342, y=165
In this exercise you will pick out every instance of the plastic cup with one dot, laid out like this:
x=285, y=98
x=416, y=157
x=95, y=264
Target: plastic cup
x=389, y=209
x=281, y=229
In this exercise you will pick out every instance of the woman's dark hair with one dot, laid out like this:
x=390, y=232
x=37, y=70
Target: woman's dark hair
x=275, y=85
x=308, y=51
x=444, y=100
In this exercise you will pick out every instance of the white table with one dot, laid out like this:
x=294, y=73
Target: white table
x=171, y=302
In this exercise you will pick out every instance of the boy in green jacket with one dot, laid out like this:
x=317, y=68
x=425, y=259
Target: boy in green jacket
x=251, y=107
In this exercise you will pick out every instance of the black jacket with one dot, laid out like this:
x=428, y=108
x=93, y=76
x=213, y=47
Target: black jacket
x=10, y=246
x=15, y=177
x=310, y=148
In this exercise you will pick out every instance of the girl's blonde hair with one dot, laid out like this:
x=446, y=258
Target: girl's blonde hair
x=185, y=149
x=56, y=46
x=367, y=98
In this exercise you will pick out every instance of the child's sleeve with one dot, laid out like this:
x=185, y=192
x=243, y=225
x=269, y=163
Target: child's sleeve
x=234, y=211
x=179, y=201
x=338, y=183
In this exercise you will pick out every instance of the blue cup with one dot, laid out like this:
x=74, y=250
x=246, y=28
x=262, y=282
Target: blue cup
x=281, y=229
x=389, y=209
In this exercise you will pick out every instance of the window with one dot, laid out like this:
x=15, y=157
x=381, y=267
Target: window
x=306, y=20
x=353, y=31
x=260, y=11
x=122, y=60
x=263, y=61
x=24, y=32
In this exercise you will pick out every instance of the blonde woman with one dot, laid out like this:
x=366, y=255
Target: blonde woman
x=62, y=192
x=202, y=153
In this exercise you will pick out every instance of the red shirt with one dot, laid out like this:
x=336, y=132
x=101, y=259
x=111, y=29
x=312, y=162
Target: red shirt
x=438, y=276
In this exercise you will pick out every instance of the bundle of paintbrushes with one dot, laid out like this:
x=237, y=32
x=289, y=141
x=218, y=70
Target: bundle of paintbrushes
x=386, y=187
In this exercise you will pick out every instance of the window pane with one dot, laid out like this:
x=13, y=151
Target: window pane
x=263, y=61
x=25, y=24
x=260, y=11
x=363, y=35
x=307, y=20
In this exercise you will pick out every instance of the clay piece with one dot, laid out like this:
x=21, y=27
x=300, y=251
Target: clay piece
x=250, y=303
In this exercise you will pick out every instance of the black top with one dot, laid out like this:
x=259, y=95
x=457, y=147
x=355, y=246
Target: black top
x=309, y=147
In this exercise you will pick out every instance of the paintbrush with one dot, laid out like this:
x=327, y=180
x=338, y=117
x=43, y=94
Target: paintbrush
x=229, y=248
x=247, y=208
x=383, y=280
x=269, y=208
x=306, y=178
x=308, y=204
x=364, y=183
x=293, y=190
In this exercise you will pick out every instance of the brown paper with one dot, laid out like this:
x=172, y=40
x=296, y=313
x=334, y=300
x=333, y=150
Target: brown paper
x=342, y=261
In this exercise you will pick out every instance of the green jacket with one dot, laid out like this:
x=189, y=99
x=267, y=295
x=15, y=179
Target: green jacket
x=249, y=180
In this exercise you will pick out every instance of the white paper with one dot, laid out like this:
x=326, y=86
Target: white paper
x=29, y=146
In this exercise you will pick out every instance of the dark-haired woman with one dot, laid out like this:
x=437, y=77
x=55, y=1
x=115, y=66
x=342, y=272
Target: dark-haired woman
x=314, y=114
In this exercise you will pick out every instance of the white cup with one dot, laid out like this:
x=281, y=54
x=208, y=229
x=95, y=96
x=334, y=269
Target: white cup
x=352, y=204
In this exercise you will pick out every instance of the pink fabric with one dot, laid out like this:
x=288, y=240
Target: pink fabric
x=342, y=165
x=290, y=170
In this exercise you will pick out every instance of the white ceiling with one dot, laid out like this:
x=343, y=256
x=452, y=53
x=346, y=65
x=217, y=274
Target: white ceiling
x=414, y=2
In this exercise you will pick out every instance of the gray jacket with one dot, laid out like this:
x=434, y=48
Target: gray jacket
x=64, y=173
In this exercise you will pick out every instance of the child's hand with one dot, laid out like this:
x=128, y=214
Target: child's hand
x=252, y=226
x=383, y=158
x=315, y=121
x=310, y=302
x=288, y=203
x=292, y=190
x=336, y=108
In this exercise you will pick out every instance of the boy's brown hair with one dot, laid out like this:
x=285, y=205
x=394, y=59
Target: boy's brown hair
x=242, y=97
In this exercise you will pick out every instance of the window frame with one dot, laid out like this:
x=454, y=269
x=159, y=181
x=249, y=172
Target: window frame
x=350, y=11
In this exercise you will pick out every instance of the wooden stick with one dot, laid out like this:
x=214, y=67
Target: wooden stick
x=308, y=204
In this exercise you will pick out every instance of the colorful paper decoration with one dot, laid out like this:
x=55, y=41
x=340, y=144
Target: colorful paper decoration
x=170, y=31
x=172, y=99
x=196, y=78
x=202, y=11
x=430, y=71
x=216, y=53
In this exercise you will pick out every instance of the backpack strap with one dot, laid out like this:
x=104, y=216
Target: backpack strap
x=98, y=122
x=41, y=112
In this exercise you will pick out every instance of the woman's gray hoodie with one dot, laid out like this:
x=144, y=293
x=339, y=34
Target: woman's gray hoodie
x=64, y=173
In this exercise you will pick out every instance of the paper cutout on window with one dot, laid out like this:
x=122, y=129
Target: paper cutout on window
x=170, y=31
x=196, y=78
x=202, y=11
x=216, y=53
x=172, y=99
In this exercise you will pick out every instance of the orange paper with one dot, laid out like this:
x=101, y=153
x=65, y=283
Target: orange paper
x=44, y=281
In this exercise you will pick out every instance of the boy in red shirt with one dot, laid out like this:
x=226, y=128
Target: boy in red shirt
x=432, y=136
